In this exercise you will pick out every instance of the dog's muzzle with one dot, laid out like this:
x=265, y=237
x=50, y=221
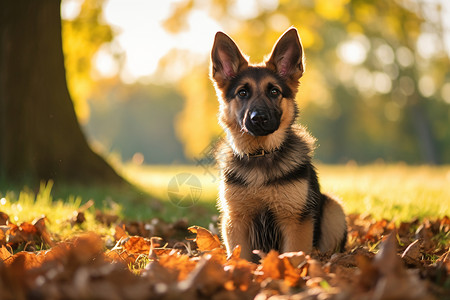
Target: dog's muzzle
x=261, y=122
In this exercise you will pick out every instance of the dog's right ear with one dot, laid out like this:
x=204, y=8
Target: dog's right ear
x=227, y=60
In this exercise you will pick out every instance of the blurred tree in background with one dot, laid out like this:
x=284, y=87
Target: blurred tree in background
x=40, y=137
x=377, y=81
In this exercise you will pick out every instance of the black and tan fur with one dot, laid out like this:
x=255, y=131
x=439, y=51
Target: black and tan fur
x=269, y=194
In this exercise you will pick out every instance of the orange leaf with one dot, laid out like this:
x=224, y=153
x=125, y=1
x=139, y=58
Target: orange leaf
x=292, y=276
x=181, y=265
x=205, y=240
x=120, y=232
x=24, y=260
x=121, y=256
x=271, y=267
x=4, y=218
x=4, y=253
x=39, y=224
x=137, y=244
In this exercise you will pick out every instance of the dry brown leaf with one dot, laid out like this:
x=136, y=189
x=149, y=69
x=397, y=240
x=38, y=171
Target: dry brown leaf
x=271, y=267
x=4, y=218
x=4, y=253
x=219, y=255
x=386, y=278
x=292, y=276
x=137, y=244
x=2, y=237
x=444, y=259
x=121, y=256
x=425, y=235
x=386, y=260
x=444, y=225
x=120, y=232
x=41, y=227
x=241, y=274
x=315, y=268
x=180, y=263
x=157, y=273
x=80, y=266
x=411, y=255
x=207, y=278
x=27, y=260
x=368, y=275
x=205, y=240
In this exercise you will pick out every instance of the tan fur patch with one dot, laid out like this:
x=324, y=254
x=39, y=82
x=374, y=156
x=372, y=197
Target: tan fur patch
x=237, y=205
x=333, y=226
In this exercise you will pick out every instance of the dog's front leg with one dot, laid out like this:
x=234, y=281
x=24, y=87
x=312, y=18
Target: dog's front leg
x=235, y=232
x=297, y=236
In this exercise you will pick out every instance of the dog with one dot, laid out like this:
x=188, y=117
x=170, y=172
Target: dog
x=269, y=195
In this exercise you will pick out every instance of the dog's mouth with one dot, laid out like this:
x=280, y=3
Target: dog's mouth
x=260, y=122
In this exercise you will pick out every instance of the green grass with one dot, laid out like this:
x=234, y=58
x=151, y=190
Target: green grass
x=26, y=206
x=397, y=192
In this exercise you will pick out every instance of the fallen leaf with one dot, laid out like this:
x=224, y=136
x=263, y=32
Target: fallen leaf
x=120, y=232
x=386, y=278
x=41, y=227
x=181, y=264
x=207, y=278
x=425, y=234
x=4, y=253
x=4, y=218
x=205, y=240
x=297, y=259
x=411, y=255
x=137, y=244
x=24, y=259
x=270, y=267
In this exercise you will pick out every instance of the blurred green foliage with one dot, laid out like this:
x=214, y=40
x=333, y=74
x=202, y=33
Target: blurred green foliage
x=82, y=38
x=377, y=81
x=135, y=122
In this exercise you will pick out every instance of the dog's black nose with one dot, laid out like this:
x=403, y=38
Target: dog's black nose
x=259, y=118
x=260, y=122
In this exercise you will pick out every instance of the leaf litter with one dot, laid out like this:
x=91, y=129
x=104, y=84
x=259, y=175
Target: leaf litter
x=160, y=260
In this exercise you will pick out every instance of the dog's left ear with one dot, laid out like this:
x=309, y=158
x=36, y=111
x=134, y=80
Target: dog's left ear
x=287, y=56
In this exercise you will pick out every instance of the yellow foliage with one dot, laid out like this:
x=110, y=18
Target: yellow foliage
x=311, y=88
x=354, y=27
x=365, y=13
x=178, y=19
x=82, y=37
x=197, y=124
x=331, y=9
x=308, y=38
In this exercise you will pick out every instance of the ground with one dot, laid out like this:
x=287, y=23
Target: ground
x=83, y=249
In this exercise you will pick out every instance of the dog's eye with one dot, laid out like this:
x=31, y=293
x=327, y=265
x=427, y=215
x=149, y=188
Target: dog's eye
x=274, y=92
x=243, y=93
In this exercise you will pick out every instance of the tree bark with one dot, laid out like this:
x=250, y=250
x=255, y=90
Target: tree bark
x=40, y=137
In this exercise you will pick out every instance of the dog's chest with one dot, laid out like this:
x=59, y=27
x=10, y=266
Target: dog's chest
x=285, y=200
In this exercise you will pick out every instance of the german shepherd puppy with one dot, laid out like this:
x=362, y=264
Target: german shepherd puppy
x=269, y=193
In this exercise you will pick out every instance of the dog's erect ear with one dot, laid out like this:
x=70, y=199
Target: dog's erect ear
x=227, y=59
x=287, y=56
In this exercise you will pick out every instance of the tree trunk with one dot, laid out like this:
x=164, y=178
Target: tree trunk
x=40, y=137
